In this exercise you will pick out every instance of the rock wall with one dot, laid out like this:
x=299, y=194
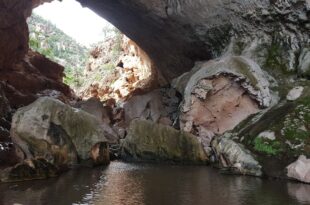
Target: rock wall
x=32, y=77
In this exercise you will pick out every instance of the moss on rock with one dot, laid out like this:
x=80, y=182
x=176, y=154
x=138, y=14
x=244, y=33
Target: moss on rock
x=147, y=140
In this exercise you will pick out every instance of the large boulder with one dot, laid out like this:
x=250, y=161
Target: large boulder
x=300, y=169
x=235, y=158
x=56, y=132
x=147, y=140
x=103, y=114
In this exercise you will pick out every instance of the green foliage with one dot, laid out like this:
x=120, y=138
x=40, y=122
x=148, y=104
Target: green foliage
x=267, y=146
x=73, y=77
x=53, y=43
x=48, y=40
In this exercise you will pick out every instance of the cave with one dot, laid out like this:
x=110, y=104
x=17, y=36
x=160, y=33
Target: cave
x=220, y=83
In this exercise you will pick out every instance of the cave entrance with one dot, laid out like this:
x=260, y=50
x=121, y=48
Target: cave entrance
x=98, y=60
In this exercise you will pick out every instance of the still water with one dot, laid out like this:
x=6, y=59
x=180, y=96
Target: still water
x=135, y=184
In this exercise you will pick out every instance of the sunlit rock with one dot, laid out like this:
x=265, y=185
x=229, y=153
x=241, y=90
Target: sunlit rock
x=123, y=67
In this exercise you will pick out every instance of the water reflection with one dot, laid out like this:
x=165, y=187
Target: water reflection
x=299, y=191
x=136, y=184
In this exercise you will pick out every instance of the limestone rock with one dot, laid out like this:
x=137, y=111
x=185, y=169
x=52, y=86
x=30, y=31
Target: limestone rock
x=294, y=93
x=160, y=105
x=148, y=106
x=243, y=70
x=104, y=114
x=300, y=169
x=219, y=94
x=147, y=140
x=234, y=157
x=267, y=135
x=95, y=107
x=304, y=62
x=56, y=132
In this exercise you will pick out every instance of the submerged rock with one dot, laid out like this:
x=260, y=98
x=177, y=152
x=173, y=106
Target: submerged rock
x=56, y=132
x=235, y=158
x=29, y=170
x=300, y=169
x=147, y=140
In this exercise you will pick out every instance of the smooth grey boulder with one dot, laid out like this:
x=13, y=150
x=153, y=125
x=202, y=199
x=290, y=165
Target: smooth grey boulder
x=235, y=158
x=55, y=131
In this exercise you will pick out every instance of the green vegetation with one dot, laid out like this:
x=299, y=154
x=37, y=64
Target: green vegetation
x=267, y=146
x=53, y=43
x=101, y=58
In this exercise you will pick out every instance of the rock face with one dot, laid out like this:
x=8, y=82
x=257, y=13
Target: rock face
x=147, y=140
x=32, y=77
x=14, y=31
x=219, y=94
x=160, y=105
x=300, y=169
x=56, y=132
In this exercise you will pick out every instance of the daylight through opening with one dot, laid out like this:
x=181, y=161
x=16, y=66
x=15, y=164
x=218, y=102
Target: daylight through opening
x=99, y=61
